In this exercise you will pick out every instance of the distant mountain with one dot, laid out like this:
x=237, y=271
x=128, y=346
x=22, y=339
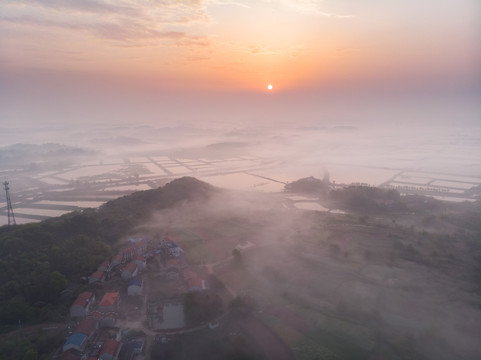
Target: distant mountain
x=44, y=155
x=219, y=150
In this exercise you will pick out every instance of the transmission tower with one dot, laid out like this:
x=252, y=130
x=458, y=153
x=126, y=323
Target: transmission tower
x=11, y=215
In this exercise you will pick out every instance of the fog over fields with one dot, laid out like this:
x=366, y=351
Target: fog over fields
x=72, y=165
x=341, y=142
x=314, y=273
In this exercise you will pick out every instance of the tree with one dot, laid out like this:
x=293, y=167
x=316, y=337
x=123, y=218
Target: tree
x=58, y=281
x=309, y=185
x=30, y=354
x=243, y=305
x=201, y=307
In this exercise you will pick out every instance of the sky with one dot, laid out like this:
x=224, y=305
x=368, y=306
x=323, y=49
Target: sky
x=201, y=60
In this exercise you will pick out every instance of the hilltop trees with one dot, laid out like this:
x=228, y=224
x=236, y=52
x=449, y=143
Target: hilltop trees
x=201, y=307
x=367, y=199
x=310, y=185
x=38, y=260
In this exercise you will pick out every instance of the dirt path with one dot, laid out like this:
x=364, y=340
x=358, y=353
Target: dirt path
x=140, y=323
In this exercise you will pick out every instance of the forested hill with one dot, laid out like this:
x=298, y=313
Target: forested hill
x=38, y=260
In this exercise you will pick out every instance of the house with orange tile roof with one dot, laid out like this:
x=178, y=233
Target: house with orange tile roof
x=110, y=302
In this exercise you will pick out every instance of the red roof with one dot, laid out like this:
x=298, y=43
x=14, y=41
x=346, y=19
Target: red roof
x=139, y=257
x=99, y=274
x=110, y=299
x=131, y=266
x=86, y=326
x=192, y=279
x=189, y=274
x=110, y=347
x=195, y=282
x=173, y=262
x=68, y=355
x=117, y=258
x=83, y=299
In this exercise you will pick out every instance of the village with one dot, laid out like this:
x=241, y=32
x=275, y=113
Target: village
x=121, y=313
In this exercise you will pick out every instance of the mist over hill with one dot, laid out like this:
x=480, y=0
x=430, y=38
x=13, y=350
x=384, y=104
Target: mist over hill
x=349, y=285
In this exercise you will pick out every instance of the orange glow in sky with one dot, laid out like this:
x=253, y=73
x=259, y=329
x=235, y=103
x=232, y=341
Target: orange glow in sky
x=207, y=44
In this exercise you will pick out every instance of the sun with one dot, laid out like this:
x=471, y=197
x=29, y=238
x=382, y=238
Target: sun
x=269, y=87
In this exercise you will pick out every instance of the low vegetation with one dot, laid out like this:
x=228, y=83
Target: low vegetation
x=328, y=285
x=38, y=260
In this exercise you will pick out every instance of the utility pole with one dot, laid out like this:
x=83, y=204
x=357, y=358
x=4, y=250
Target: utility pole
x=11, y=215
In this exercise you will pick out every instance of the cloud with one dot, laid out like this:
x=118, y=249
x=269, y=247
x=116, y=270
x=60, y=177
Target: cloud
x=344, y=51
x=89, y=6
x=228, y=2
x=316, y=7
x=197, y=58
x=124, y=31
x=261, y=50
x=122, y=21
x=255, y=49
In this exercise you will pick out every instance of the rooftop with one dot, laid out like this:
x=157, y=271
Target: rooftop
x=111, y=347
x=110, y=299
x=139, y=257
x=76, y=339
x=83, y=299
x=135, y=281
x=172, y=262
x=86, y=326
x=131, y=266
x=97, y=275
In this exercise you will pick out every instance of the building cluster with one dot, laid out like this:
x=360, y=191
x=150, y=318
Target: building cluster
x=177, y=270
x=178, y=278
x=127, y=263
x=96, y=334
